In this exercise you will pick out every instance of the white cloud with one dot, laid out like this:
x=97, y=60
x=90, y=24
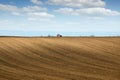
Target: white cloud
x=67, y=11
x=41, y=14
x=8, y=8
x=4, y=21
x=29, y=11
x=72, y=23
x=88, y=11
x=36, y=13
x=95, y=18
x=16, y=13
x=78, y=3
x=97, y=11
x=12, y=8
x=32, y=19
x=33, y=9
x=38, y=19
x=36, y=2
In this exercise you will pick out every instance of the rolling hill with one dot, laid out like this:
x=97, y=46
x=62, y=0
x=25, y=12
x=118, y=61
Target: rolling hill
x=73, y=58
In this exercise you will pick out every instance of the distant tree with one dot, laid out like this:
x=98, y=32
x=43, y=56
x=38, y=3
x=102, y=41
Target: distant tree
x=49, y=35
x=92, y=36
x=59, y=35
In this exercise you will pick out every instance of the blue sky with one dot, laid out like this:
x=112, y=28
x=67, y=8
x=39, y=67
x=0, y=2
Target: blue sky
x=67, y=17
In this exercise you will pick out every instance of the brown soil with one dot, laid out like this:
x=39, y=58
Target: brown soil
x=59, y=58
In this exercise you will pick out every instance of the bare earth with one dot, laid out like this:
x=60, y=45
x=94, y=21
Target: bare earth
x=59, y=58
